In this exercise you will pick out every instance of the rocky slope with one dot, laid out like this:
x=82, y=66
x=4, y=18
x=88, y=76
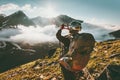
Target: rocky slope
x=116, y=34
x=104, y=54
x=13, y=54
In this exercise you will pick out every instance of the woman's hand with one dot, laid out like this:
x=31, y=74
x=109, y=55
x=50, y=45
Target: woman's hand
x=62, y=26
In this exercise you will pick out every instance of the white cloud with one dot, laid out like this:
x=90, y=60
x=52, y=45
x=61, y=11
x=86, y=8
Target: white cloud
x=93, y=20
x=103, y=23
x=96, y=21
x=31, y=35
x=31, y=11
x=8, y=7
x=46, y=11
x=27, y=7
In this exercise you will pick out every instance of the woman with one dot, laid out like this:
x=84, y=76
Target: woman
x=77, y=50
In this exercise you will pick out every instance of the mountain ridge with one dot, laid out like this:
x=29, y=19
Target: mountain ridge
x=20, y=17
x=17, y=18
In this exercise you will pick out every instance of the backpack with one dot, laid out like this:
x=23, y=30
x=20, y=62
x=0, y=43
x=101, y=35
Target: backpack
x=81, y=45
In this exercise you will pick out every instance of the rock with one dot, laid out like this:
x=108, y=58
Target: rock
x=115, y=55
x=111, y=72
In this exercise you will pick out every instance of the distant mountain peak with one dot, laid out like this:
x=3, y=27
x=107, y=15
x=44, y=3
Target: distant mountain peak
x=20, y=11
x=20, y=17
x=17, y=18
x=62, y=15
x=59, y=20
x=18, y=14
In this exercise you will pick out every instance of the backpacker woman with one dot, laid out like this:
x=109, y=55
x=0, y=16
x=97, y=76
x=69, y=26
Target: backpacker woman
x=78, y=48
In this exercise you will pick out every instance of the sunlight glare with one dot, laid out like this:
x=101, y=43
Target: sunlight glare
x=50, y=12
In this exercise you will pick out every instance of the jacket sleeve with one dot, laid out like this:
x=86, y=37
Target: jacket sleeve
x=62, y=39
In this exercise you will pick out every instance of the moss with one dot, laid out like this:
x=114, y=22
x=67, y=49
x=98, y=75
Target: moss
x=48, y=68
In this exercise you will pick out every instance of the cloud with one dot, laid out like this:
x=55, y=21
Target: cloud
x=103, y=24
x=100, y=32
x=44, y=11
x=31, y=11
x=8, y=7
x=27, y=7
x=34, y=35
x=96, y=21
x=31, y=35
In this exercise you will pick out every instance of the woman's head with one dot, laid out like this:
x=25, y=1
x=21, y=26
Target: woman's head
x=75, y=27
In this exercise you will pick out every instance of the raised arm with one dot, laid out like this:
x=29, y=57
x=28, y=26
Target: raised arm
x=61, y=38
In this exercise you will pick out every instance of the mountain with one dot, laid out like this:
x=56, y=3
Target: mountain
x=41, y=21
x=59, y=20
x=20, y=17
x=17, y=18
x=116, y=34
x=99, y=31
x=64, y=19
x=15, y=54
x=22, y=61
x=86, y=27
x=11, y=55
x=105, y=54
x=2, y=17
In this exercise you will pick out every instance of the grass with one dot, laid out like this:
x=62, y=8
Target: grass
x=47, y=69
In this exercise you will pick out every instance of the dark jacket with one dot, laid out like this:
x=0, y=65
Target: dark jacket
x=65, y=41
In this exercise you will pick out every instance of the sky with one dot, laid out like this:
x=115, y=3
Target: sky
x=93, y=11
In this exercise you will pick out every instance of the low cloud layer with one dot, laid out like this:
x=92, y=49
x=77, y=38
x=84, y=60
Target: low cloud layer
x=34, y=35
x=31, y=35
x=100, y=32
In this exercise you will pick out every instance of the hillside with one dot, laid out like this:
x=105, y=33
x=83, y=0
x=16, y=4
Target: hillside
x=15, y=54
x=49, y=69
x=115, y=33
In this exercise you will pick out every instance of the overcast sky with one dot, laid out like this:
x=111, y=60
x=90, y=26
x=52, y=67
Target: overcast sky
x=94, y=11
